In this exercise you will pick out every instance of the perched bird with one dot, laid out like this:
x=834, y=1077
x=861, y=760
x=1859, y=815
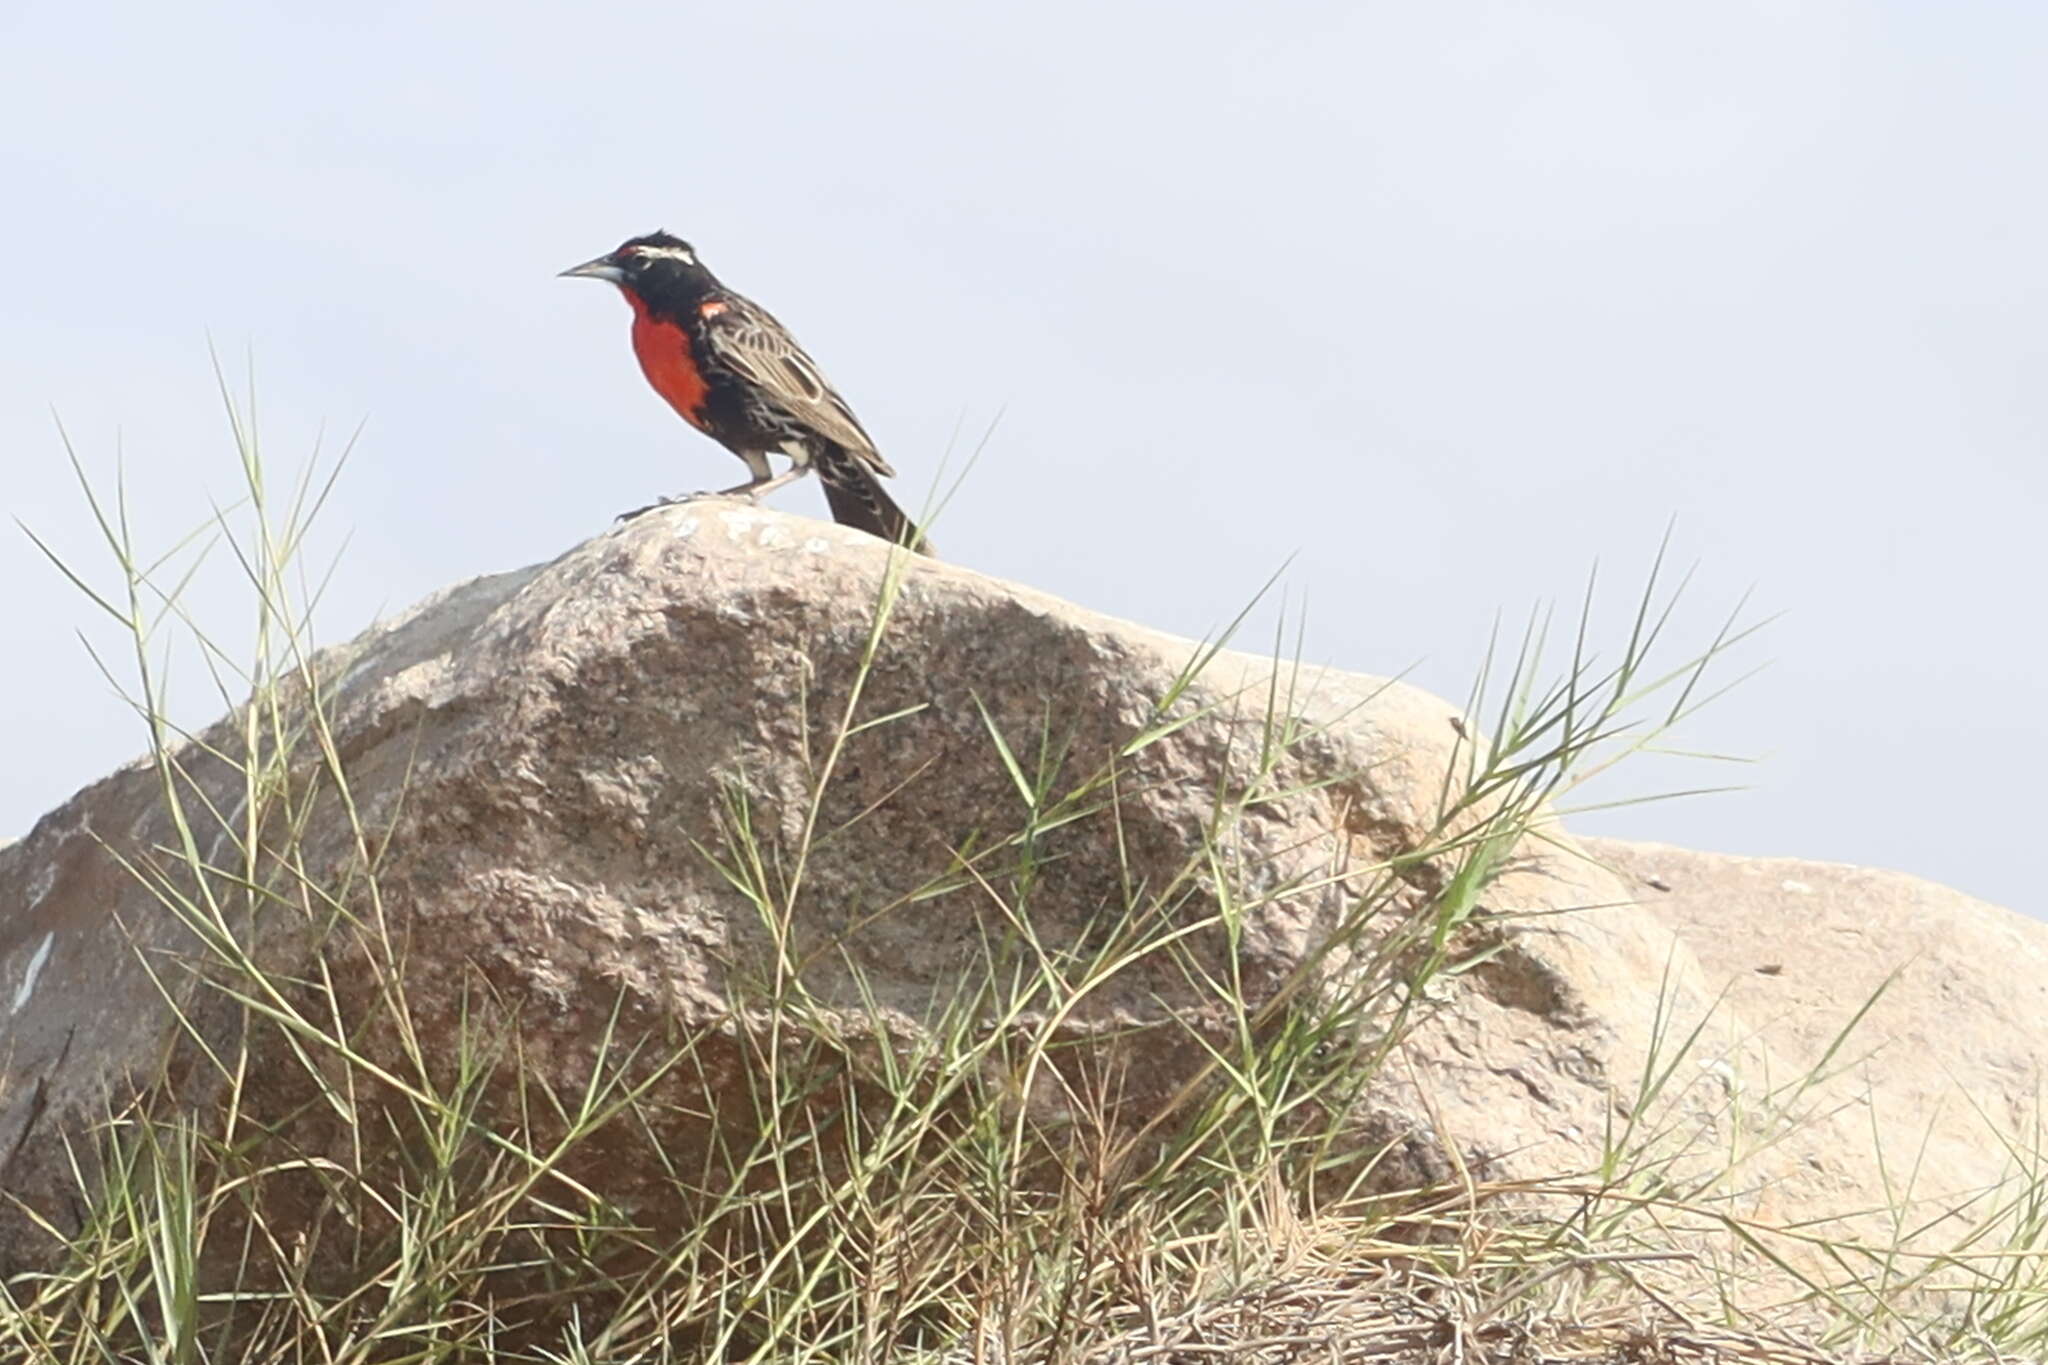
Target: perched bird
x=734, y=373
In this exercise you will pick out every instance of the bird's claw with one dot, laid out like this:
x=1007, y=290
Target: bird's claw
x=622, y=518
x=701, y=495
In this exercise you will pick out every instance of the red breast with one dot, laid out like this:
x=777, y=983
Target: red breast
x=668, y=360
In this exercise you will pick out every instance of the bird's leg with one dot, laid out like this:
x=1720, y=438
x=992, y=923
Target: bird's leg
x=674, y=499
x=752, y=489
x=764, y=481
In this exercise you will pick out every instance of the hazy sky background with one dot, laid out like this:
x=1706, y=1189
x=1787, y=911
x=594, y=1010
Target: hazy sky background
x=1445, y=300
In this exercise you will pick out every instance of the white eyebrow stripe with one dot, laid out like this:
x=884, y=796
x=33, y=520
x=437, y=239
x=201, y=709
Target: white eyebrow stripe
x=668, y=253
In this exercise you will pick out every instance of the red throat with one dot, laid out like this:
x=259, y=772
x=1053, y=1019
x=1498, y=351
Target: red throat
x=666, y=358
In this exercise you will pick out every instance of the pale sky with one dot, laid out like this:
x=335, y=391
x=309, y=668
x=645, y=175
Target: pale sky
x=1444, y=300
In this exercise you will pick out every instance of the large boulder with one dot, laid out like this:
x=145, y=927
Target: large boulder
x=722, y=746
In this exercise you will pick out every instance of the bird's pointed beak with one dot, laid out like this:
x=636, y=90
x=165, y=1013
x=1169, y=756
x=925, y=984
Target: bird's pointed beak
x=603, y=268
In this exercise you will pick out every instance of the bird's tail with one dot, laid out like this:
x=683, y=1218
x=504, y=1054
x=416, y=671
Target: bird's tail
x=857, y=498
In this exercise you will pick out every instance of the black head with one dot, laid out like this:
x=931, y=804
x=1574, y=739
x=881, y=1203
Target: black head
x=658, y=259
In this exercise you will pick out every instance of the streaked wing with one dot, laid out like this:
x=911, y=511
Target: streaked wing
x=755, y=346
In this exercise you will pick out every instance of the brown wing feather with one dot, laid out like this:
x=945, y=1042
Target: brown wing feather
x=752, y=343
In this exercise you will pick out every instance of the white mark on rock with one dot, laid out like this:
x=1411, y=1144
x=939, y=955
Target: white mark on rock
x=741, y=522
x=40, y=887
x=27, y=987
x=1800, y=887
x=817, y=545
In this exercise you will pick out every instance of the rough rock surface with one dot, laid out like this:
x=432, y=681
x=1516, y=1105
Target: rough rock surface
x=553, y=751
x=1948, y=1053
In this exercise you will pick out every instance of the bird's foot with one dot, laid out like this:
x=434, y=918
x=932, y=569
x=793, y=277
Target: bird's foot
x=675, y=499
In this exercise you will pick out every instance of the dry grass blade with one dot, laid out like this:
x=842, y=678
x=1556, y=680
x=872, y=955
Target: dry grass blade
x=1374, y=1315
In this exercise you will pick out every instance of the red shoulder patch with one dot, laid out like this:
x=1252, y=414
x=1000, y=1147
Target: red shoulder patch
x=710, y=308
